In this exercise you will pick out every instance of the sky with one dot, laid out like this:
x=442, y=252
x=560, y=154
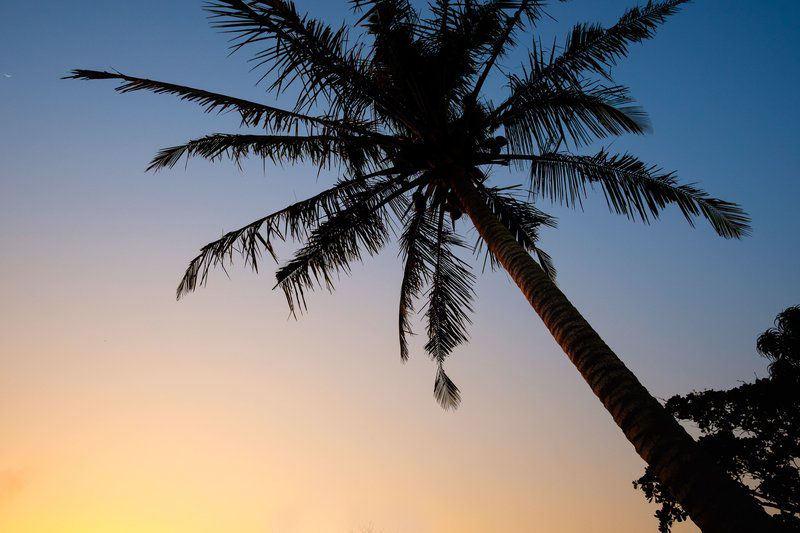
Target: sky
x=122, y=409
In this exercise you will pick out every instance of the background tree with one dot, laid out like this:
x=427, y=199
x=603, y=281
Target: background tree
x=400, y=109
x=752, y=431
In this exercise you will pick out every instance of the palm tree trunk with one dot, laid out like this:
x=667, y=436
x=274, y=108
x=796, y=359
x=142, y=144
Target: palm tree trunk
x=714, y=502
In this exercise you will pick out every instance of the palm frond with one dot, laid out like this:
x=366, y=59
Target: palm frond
x=340, y=240
x=631, y=188
x=462, y=35
x=505, y=39
x=545, y=261
x=398, y=11
x=442, y=11
x=321, y=150
x=523, y=220
x=296, y=221
x=253, y=114
x=448, y=38
x=590, y=47
x=297, y=47
x=450, y=294
x=580, y=114
x=414, y=274
x=593, y=49
x=449, y=302
x=400, y=66
x=445, y=391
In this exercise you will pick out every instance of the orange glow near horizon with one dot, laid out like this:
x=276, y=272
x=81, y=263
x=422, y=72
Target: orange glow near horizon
x=217, y=414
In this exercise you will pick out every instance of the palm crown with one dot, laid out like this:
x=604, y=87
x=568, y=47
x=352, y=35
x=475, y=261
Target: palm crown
x=404, y=115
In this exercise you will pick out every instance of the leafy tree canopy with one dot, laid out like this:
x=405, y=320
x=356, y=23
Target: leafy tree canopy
x=753, y=430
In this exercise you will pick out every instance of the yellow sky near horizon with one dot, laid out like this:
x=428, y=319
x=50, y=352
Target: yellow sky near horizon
x=128, y=411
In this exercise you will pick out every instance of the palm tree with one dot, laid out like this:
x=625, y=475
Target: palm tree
x=400, y=110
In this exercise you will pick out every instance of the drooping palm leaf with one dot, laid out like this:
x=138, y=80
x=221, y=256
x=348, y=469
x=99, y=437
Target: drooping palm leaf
x=296, y=221
x=445, y=390
x=340, y=240
x=448, y=307
x=523, y=220
x=415, y=246
x=631, y=188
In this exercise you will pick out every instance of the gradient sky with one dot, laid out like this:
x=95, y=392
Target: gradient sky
x=124, y=410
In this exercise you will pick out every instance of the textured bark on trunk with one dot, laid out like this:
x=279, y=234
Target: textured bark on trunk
x=714, y=502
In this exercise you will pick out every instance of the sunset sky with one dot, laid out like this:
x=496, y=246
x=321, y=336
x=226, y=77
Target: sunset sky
x=123, y=410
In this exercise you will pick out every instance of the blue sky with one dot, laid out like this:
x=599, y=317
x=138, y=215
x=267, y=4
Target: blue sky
x=718, y=82
x=83, y=229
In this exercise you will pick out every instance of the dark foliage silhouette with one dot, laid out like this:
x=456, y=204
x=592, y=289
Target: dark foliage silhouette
x=753, y=430
x=400, y=109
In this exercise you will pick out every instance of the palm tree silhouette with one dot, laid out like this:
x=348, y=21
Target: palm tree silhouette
x=405, y=118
